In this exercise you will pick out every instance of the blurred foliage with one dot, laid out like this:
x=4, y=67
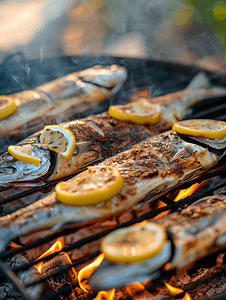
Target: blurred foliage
x=213, y=14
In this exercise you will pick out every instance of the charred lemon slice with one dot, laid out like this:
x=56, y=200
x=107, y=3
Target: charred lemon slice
x=7, y=106
x=211, y=129
x=58, y=139
x=135, y=243
x=24, y=153
x=97, y=184
x=139, y=112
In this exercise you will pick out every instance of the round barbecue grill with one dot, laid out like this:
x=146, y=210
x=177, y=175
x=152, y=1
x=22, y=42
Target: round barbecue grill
x=159, y=78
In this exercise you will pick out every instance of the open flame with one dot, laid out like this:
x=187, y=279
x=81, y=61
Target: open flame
x=86, y=272
x=187, y=192
x=105, y=295
x=176, y=291
x=57, y=246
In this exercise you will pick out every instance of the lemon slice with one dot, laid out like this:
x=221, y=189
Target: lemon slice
x=211, y=129
x=58, y=139
x=7, y=106
x=135, y=243
x=95, y=185
x=139, y=112
x=24, y=153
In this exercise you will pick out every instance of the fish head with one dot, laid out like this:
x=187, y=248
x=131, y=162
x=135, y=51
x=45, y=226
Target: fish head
x=15, y=173
x=207, y=133
x=216, y=146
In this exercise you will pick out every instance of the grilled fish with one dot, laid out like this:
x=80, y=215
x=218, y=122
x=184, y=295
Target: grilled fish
x=149, y=170
x=99, y=137
x=197, y=232
x=61, y=99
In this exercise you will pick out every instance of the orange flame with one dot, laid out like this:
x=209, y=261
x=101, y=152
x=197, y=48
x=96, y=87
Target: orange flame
x=176, y=291
x=57, y=246
x=142, y=222
x=137, y=291
x=87, y=271
x=135, y=288
x=105, y=295
x=187, y=192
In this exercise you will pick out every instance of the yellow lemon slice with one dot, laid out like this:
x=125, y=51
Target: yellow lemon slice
x=135, y=243
x=95, y=185
x=139, y=112
x=24, y=153
x=7, y=106
x=211, y=129
x=58, y=139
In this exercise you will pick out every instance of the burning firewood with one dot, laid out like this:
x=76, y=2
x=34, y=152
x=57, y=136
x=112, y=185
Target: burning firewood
x=61, y=280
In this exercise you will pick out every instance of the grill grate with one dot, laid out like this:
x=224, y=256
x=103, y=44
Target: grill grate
x=171, y=206
x=142, y=73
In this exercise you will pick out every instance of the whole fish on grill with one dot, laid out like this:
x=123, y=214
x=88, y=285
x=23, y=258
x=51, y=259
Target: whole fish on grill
x=149, y=169
x=101, y=136
x=193, y=234
x=60, y=99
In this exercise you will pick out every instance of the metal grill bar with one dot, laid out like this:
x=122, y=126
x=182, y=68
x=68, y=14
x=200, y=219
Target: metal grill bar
x=142, y=73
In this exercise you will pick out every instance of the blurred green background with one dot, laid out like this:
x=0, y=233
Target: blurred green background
x=198, y=12
x=188, y=31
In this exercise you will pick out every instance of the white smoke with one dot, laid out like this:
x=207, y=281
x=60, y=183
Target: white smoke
x=136, y=28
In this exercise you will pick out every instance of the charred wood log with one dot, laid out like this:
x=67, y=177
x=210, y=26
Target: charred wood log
x=66, y=280
x=25, y=278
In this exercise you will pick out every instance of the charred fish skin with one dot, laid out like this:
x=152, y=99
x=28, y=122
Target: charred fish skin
x=97, y=137
x=195, y=232
x=62, y=98
x=101, y=136
x=149, y=169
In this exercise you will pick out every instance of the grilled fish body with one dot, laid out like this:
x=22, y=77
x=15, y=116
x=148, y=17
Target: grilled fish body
x=197, y=232
x=101, y=136
x=61, y=99
x=150, y=169
x=96, y=137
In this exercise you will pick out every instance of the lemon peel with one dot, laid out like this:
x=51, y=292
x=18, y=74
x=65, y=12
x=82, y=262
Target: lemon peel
x=139, y=112
x=7, y=106
x=207, y=128
x=24, y=153
x=58, y=139
x=133, y=244
x=97, y=184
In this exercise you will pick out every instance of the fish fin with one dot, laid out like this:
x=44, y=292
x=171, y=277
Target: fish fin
x=200, y=80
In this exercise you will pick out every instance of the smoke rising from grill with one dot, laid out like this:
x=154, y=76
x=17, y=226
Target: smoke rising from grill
x=159, y=29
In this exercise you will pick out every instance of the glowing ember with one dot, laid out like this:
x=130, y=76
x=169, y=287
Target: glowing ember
x=57, y=246
x=86, y=272
x=175, y=291
x=137, y=291
x=187, y=192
